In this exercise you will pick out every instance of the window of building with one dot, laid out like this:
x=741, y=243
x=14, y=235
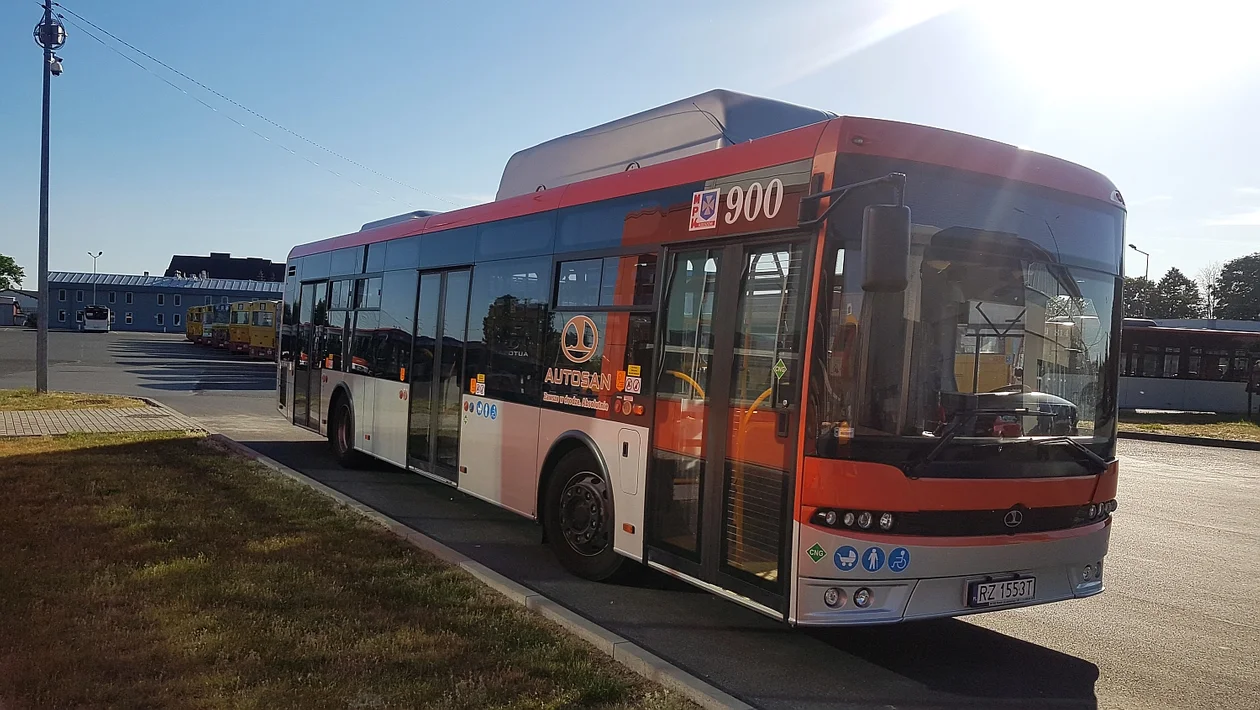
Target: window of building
x=78, y=296
x=223, y=299
x=61, y=295
x=78, y=316
x=128, y=298
x=112, y=317
x=127, y=318
x=61, y=316
x=209, y=300
x=113, y=297
x=175, y=319
x=161, y=299
x=178, y=301
x=159, y=319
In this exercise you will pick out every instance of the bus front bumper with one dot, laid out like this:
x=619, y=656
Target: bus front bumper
x=938, y=580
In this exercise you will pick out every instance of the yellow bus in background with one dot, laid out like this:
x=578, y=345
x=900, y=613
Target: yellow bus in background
x=215, y=327
x=262, y=329
x=238, y=326
x=193, y=323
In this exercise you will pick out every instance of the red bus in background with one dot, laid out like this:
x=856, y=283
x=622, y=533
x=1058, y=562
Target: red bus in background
x=840, y=370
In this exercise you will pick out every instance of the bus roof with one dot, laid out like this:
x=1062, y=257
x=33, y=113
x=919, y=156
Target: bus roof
x=854, y=135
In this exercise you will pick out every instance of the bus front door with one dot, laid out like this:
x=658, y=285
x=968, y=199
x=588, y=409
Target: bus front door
x=722, y=473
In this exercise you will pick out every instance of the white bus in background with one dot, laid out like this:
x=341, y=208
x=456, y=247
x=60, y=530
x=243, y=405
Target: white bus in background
x=96, y=319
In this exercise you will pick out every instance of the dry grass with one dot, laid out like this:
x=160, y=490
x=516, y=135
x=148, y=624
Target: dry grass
x=1209, y=426
x=148, y=570
x=25, y=400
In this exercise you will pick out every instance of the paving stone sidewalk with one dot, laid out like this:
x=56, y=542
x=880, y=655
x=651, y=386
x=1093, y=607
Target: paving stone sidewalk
x=154, y=417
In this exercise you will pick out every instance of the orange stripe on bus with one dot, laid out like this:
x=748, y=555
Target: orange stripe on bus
x=872, y=486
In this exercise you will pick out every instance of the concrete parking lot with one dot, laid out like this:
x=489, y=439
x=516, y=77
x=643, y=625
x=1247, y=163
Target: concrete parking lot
x=1177, y=626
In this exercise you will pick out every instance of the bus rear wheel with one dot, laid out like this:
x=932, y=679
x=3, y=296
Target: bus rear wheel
x=341, y=434
x=578, y=517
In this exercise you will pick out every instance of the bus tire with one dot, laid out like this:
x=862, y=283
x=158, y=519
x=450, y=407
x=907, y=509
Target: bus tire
x=341, y=434
x=578, y=518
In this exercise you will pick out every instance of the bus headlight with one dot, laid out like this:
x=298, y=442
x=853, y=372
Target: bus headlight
x=1088, y=573
x=1093, y=511
x=862, y=598
x=830, y=517
x=886, y=521
x=864, y=520
x=834, y=598
x=848, y=519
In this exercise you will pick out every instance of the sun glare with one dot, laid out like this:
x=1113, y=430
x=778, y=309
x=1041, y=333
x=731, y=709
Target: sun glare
x=1124, y=49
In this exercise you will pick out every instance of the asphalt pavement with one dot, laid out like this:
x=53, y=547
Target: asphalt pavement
x=1177, y=627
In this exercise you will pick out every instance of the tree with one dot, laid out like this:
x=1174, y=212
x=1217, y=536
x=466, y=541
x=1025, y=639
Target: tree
x=1138, y=291
x=1208, y=279
x=11, y=274
x=1175, y=296
x=1238, y=289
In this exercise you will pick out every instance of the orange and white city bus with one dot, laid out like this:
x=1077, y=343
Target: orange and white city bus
x=839, y=370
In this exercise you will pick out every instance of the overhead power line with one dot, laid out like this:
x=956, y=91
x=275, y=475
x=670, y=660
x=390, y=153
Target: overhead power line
x=238, y=105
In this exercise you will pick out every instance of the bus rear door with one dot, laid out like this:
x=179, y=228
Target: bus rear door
x=722, y=474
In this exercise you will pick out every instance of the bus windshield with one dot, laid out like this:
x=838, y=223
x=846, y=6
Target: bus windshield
x=1006, y=339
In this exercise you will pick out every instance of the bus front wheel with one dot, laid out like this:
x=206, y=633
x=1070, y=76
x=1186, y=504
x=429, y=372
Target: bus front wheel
x=578, y=517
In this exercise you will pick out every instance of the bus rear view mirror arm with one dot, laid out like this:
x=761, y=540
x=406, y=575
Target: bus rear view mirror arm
x=885, y=232
x=807, y=217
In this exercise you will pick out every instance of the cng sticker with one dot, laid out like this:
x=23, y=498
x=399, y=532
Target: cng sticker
x=816, y=553
x=780, y=369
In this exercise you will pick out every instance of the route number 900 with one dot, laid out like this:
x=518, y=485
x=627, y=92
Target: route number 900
x=754, y=202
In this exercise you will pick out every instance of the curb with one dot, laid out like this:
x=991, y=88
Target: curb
x=1191, y=440
x=627, y=653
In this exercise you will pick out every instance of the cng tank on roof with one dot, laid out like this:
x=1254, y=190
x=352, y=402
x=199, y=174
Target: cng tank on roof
x=712, y=120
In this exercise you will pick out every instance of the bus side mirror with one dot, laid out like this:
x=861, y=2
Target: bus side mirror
x=886, y=248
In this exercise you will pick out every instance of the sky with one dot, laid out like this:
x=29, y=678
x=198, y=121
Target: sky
x=429, y=99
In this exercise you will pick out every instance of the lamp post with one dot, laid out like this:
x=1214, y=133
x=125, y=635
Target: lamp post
x=51, y=36
x=1147, y=274
x=95, y=256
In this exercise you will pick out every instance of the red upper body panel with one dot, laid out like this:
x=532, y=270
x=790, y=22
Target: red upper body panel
x=856, y=135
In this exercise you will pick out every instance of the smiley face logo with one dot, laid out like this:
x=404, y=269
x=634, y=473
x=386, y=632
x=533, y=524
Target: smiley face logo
x=579, y=339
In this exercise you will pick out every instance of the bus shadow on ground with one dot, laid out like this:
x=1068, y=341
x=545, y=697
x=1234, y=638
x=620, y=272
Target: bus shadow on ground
x=984, y=668
x=180, y=366
x=944, y=663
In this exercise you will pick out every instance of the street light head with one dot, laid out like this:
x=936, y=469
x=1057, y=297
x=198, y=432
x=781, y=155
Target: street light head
x=1134, y=248
x=50, y=34
x=54, y=65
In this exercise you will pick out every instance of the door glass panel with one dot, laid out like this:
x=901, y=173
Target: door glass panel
x=765, y=377
x=451, y=371
x=302, y=360
x=682, y=402
x=319, y=315
x=419, y=443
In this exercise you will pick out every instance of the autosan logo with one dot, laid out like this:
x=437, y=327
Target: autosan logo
x=579, y=339
x=1014, y=518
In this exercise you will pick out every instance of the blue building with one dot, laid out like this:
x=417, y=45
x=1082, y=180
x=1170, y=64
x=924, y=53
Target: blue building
x=150, y=304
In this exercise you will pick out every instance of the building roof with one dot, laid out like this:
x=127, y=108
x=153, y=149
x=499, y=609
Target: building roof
x=85, y=279
x=22, y=292
x=221, y=265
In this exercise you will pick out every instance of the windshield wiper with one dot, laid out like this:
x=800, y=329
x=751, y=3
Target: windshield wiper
x=1098, y=462
x=956, y=425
